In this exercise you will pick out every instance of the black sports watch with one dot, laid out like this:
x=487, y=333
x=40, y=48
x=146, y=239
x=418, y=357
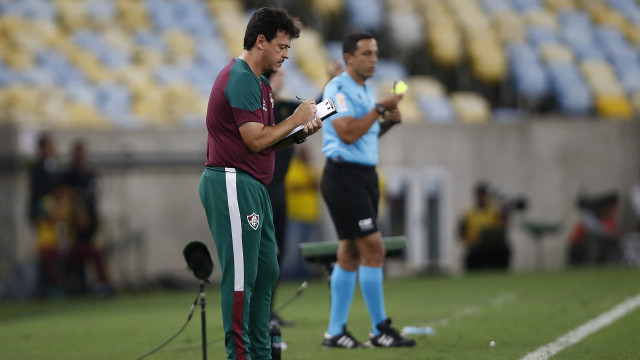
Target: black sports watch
x=380, y=108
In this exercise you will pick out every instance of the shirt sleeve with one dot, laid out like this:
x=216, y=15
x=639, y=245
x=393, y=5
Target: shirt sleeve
x=343, y=102
x=245, y=97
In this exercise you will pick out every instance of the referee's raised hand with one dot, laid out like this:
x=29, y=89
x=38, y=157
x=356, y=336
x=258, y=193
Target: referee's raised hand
x=391, y=101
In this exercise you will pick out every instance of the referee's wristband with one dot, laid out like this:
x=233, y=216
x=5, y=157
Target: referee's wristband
x=386, y=125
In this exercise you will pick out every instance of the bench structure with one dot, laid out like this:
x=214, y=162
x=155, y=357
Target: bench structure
x=324, y=252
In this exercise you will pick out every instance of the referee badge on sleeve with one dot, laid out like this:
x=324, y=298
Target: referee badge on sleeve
x=254, y=221
x=341, y=102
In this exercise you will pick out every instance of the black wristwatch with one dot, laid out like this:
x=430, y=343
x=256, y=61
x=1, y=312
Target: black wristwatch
x=380, y=108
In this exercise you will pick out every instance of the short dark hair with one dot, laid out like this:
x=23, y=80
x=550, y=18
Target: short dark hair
x=350, y=42
x=268, y=21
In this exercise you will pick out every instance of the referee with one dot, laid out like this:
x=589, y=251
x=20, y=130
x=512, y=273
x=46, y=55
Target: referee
x=350, y=189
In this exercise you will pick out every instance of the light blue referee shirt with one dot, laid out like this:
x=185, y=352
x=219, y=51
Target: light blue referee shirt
x=351, y=99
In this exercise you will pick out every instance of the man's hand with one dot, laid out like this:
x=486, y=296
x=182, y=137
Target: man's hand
x=390, y=102
x=393, y=116
x=312, y=126
x=305, y=112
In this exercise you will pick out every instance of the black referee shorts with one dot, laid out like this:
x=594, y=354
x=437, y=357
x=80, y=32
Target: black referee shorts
x=352, y=195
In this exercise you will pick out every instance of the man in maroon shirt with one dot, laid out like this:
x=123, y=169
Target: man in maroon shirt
x=240, y=162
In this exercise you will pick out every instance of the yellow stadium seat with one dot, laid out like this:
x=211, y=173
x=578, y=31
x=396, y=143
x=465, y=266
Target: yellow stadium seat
x=149, y=58
x=613, y=106
x=133, y=14
x=311, y=55
x=488, y=61
x=609, y=17
x=632, y=32
x=71, y=15
x=601, y=78
x=543, y=18
x=327, y=8
x=426, y=86
x=445, y=45
x=19, y=59
x=181, y=46
x=560, y=5
x=118, y=38
x=555, y=52
x=470, y=107
x=85, y=116
x=509, y=27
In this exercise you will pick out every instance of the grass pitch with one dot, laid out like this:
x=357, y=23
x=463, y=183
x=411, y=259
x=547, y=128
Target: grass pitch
x=520, y=312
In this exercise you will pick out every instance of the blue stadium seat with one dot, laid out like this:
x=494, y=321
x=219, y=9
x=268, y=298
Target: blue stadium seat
x=493, y=7
x=587, y=51
x=113, y=100
x=623, y=6
x=389, y=69
x=29, y=9
x=100, y=10
x=81, y=92
x=150, y=39
x=7, y=76
x=437, y=109
x=529, y=77
x=570, y=89
x=525, y=6
x=365, y=15
x=539, y=35
x=59, y=66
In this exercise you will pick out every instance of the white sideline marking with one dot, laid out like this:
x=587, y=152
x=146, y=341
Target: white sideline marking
x=591, y=326
x=470, y=310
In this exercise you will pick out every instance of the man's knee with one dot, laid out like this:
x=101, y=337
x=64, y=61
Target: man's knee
x=371, y=249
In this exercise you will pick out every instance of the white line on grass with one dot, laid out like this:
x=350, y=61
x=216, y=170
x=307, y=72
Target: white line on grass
x=470, y=310
x=591, y=326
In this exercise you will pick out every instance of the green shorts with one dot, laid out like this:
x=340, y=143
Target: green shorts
x=239, y=214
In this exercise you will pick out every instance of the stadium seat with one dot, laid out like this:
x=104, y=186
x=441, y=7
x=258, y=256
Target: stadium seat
x=496, y=7
x=525, y=6
x=405, y=25
x=488, y=61
x=601, y=77
x=560, y=5
x=569, y=88
x=542, y=18
x=509, y=27
x=529, y=77
x=367, y=15
x=470, y=107
x=437, y=109
x=614, y=106
x=555, y=52
x=538, y=35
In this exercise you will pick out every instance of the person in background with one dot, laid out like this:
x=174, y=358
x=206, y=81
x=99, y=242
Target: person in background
x=43, y=214
x=83, y=181
x=482, y=230
x=44, y=174
x=595, y=238
x=282, y=109
x=350, y=189
x=303, y=207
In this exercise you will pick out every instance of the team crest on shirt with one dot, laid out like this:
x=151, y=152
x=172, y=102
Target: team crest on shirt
x=254, y=221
